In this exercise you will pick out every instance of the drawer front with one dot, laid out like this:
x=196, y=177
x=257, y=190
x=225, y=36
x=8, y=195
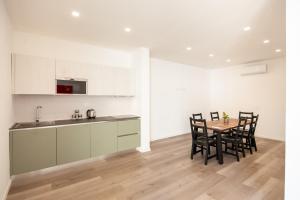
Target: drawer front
x=127, y=127
x=128, y=142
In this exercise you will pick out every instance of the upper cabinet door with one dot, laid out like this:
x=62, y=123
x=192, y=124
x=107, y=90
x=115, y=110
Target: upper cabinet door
x=125, y=82
x=33, y=75
x=68, y=70
x=101, y=80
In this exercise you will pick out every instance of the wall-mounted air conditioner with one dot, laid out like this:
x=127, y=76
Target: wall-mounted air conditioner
x=254, y=69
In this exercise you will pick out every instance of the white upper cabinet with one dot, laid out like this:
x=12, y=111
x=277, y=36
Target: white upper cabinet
x=68, y=70
x=33, y=75
x=125, y=82
x=110, y=81
x=36, y=75
x=101, y=80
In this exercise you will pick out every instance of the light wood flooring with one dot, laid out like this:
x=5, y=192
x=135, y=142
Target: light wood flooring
x=164, y=173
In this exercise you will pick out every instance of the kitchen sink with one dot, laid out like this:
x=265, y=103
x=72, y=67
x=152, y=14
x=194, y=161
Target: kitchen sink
x=34, y=124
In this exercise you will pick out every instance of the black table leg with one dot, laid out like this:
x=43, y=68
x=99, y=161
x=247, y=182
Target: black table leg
x=219, y=148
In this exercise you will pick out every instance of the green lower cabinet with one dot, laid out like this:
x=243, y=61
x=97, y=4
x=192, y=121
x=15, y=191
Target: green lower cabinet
x=39, y=148
x=104, y=138
x=126, y=127
x=73, y=143
x=128, y=142
x=32, y=149
x=128, y=134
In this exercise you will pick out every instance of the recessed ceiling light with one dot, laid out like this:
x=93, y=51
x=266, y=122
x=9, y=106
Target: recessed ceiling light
x=75, y=13
x=228, y=60
x=211, y=55
x=189, y=48
x=127, y=30
x=247, y=28
x=266, y=41
x=277, y=50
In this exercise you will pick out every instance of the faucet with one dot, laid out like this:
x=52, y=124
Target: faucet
x=37, y=113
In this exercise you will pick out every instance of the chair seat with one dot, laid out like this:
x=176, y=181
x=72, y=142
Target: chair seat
x=203, y=142
x=230, y=139
x=235, y=130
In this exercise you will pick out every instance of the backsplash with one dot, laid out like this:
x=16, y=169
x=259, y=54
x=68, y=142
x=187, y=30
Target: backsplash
x=62, y=107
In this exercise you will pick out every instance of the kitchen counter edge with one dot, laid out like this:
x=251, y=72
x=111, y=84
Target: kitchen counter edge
x=71, y=122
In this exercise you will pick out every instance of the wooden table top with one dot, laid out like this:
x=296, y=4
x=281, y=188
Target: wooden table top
x=220, y=126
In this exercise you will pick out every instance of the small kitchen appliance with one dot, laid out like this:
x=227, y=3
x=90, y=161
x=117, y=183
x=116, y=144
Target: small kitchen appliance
x=91, y=114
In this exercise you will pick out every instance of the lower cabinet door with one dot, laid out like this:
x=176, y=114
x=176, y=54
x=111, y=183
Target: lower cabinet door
x=104, y=138
x=126, y=142
x=73, y=143
x=33, y=149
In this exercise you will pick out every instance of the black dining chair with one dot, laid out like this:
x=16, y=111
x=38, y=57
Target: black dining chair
x=247, y=134
x=214, y=116
x=236, y=139
x=201, y=140
x=199, y=116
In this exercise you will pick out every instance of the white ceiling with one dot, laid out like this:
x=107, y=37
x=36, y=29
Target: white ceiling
x=165, y=26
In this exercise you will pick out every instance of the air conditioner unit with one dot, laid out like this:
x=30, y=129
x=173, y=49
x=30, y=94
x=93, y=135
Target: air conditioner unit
x=254, y=69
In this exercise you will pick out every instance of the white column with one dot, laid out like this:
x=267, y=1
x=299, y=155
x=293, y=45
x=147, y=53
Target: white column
x=141, y=61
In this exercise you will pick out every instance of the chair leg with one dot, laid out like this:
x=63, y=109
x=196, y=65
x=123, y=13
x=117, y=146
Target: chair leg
x=243, y=149
x=254, y=143
x=226, y=147
x=217, y=155
x=208, y=148
x=249, y=143
x=206, y=156
x=202, y=150
x=192, y=152
x=237, y=152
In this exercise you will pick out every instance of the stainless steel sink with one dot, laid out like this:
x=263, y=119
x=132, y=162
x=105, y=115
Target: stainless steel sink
x=34, y=124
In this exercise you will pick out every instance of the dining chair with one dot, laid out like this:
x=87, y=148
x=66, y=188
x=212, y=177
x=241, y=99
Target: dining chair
x=247, y=134
x=201, y=140
x=211, y=134
x=214, y=116
x=236, y=138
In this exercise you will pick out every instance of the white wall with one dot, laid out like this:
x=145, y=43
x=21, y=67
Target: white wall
x=38, y=45
x=263, y=94
x=177, y=91
x=62, y=107
x=5, y=98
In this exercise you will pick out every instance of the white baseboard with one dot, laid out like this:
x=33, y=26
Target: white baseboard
x=169, y=136
x=143, y=149
x=5, y=193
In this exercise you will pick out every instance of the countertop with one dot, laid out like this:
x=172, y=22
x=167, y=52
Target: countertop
x=31, y=125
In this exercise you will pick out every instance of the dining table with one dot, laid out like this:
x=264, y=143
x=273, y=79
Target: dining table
x=220, y=127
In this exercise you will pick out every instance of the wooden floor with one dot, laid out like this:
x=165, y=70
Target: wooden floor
x=164, y=173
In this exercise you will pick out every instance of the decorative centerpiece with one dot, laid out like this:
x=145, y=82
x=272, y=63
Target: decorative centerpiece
x=225, y=118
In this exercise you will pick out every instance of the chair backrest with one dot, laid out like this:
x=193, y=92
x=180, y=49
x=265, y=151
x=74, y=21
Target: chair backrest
x=198, y=129
x=249, y=117
x=214, y=116
x=197, y=116
x=254, y=124
x=245, y=114
x=241, y=127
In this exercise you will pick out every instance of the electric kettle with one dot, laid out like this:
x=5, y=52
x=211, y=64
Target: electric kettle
x=91, y=114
